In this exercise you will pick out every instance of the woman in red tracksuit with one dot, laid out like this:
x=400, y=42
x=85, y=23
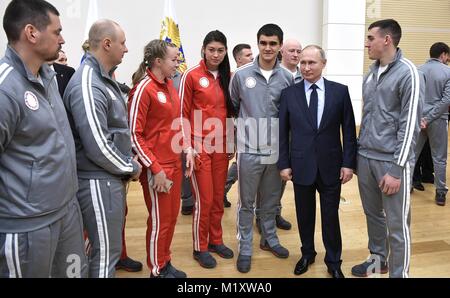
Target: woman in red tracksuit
x=205, y=101
x=153, y=105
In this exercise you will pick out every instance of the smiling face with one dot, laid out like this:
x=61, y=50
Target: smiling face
x=169, y=63
x=269, y=46
x=311, y=64
x=376, y=43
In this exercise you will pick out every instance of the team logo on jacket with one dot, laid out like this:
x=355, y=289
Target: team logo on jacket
x=161, y=97
x=31, y=101
x=250, y=82
x=204, y=82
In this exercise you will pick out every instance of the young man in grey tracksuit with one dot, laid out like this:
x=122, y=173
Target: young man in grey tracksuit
x=392, y=94
x=98, y=117
x=434, y=121
x=41, y=229
x=255, y=91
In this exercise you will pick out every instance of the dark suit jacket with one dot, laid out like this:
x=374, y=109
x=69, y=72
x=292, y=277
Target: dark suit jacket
x=63, y=75
x=306, y=149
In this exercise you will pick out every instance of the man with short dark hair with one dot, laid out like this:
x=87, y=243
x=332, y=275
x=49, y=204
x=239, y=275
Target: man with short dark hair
x=242, y=54
x=41, y=229
x=434, y=122
x=392, y=94
x=98, y=117
x=255, y=91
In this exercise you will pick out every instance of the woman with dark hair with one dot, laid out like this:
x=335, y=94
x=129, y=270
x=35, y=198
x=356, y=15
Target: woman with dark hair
x=206, y=103
x=153, y=106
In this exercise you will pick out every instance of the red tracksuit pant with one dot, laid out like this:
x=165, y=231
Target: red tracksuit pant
x=163, y=211
x=208, y=185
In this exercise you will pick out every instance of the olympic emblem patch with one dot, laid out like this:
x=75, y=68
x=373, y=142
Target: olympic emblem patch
x=204, y=82
x=250, y=82
x=31, y=101
x=161, y=97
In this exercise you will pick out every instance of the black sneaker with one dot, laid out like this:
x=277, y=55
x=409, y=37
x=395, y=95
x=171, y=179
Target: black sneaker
x=419, y=186
x=244, y=263
x=221, y=250
x=368, y=268
x=440, y=199
x=163, y=273
x=278, y=250
x=226, y=203
x=282, y=223
x=187, y=210
x=205, y=259
x=174, y=271
x=128, y=264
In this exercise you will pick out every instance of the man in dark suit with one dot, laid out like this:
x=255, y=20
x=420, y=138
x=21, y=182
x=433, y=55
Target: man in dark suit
x=63, y=75
x=312, y=113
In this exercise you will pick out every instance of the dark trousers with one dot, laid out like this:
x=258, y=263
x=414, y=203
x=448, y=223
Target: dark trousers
x=305, y=205
x=423, y=171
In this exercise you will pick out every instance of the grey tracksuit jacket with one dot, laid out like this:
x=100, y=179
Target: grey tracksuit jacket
x=98, y=117
x=437, y=93
x=388, y=132
x=254, y=98
x=38, y=175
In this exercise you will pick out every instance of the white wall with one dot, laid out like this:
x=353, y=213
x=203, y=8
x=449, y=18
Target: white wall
x=141, y=20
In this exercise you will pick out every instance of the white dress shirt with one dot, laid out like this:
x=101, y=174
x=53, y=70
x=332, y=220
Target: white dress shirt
x=320, y=95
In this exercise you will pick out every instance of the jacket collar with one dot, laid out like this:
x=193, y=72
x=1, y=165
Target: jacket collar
x=45, y=72
x=155, y=79
x=398, y=55
x=93, y=62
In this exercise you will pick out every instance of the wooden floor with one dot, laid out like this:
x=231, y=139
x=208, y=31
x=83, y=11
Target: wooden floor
x=430, y=227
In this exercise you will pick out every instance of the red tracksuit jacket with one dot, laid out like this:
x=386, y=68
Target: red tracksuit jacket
x=152, y=107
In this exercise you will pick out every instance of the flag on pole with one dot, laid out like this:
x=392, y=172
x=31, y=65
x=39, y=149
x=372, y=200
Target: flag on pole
x=92, y=16
x=171, y=33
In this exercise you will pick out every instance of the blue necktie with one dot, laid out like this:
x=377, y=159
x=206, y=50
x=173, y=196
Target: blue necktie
x=313, y=103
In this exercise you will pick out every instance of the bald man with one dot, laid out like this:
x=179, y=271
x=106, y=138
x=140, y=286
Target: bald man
x=290, y=57
x=98, y=118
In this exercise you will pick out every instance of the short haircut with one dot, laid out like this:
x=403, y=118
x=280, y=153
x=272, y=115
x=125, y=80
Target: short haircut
x=270, y=30
x=238, y=48
x=100, y=30
x=389, y=27
x=438, y=48
x=321, y=51
x=20, y=13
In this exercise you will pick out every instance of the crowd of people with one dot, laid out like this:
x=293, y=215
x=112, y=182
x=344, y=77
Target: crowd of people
x=72, y=140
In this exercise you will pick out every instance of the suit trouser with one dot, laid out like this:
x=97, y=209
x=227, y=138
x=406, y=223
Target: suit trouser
x=232, y=177
x=163, y=211
x=388, y=217
x=423, y=169
x=305, y=206
x=186, y=192
x=56, y=250
x=102, y=203
x=208, y=184
x=255, y=178
x=437, y=134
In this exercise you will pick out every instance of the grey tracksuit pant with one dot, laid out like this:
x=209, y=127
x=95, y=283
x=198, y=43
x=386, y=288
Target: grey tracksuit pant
x=264, y=180
x=56, y=250
x=436, y=133
x=102, y=204
x=232, y=177
x=388, y=217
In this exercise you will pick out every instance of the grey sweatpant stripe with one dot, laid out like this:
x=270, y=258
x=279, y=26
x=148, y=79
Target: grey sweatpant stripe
x=436, y=133
x=255, y=178
x=55, y=250
x=102, y=204
x=388, y=217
